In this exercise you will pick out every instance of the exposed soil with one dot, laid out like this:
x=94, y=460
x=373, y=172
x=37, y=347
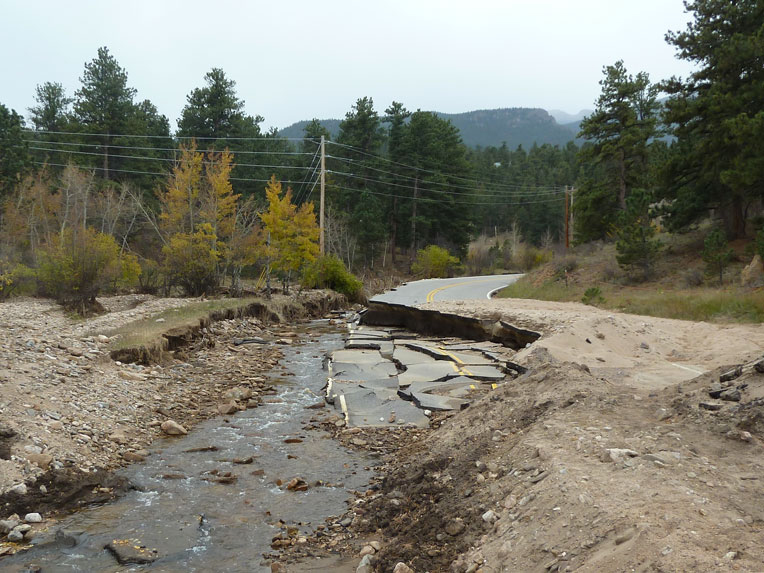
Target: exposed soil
x=609, y=454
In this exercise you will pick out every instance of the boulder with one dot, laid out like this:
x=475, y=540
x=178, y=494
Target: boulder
x=40, y=460
x=172, y=428
x=228, y=408
x=753, y=274
x=128, y=551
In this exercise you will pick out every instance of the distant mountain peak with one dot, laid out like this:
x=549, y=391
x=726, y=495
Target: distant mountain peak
x=563, y=117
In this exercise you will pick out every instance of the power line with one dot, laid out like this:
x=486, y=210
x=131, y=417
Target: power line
x=165, y=174
x=452, y=185
x=80, y=133
x=476, y=194
x=141, y=158
x=422, y=169
x=302, y=185
x=429, y=200
x=174, y=149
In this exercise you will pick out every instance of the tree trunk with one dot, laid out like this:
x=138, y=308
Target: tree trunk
x=622, y=182
x=106, y=158
x=733, y=217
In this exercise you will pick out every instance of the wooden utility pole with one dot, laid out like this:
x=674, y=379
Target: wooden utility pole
x=321, y=241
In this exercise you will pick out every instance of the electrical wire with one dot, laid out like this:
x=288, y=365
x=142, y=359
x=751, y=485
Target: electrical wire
x=440, y=201
x=141, y=158
x=174, y=149
x=422, y=169
x=263, y=138
x=110, y=170
x=477, y=192
x=511, y=187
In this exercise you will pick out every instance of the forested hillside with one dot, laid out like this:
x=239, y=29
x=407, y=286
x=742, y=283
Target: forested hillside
x=488, y=127
x=103, y=168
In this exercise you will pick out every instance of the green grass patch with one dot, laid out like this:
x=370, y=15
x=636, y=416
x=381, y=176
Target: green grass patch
x=147, y=331
x=702, y=304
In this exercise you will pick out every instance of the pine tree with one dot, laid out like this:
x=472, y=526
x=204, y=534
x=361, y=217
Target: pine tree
x=104, y=102
x=717, y=114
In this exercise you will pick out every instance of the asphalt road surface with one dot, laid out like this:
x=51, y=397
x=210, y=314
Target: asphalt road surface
x=431, y=290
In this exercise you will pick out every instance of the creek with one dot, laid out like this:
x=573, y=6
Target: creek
x=200, y=525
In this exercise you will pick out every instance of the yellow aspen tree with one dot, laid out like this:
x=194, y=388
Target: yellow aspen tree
x=180, y=203
x=293, y=232
x=218, y=205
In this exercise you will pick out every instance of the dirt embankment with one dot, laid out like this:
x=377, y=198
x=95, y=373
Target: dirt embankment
x=618, y=450
x=69, y=413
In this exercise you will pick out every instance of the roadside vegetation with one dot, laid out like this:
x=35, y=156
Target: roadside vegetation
x=218, y=204
x=683, y=284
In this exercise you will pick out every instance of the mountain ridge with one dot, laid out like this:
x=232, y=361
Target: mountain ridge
x=488, y=127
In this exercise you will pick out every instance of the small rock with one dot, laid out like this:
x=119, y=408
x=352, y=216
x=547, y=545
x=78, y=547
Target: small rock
x=128, y=551
x=33, y=518
x=297, y=484
x=103, y=339
x=731, y=375
x=509, y=502
x=8, y=525
x=401, y=567
x=20, y=489
x=133, y=457
x=172, y=428
x=367, y=550
x=490, y=517
x=118, y=437
x=455, y=527
x=624, y=536
x=15, y=536
x=731, y=395
x=617, y=455
x=715, y=390
x=228, y=408
x=710, y=406
x=730, y=555
x=40, y=460
x=365, y=565
x=376, y=545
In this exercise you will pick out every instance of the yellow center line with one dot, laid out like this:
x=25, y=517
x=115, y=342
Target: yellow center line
x=432, y=293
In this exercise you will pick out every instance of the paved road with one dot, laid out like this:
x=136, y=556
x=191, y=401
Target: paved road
x=462, y=288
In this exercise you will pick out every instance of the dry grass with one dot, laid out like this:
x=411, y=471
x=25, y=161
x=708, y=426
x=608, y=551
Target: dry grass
x=677, y=288
x=148, y=331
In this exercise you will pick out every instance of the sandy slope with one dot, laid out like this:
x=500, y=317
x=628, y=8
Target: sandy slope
x=600, y=458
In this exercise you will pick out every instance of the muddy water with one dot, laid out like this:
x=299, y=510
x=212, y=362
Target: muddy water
x=198, y=525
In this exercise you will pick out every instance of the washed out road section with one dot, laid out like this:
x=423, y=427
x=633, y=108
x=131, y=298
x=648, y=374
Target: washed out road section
x=433, y=290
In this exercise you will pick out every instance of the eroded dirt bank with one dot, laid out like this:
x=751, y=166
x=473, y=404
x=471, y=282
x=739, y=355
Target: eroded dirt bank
x=619, y=450
x=69, y=413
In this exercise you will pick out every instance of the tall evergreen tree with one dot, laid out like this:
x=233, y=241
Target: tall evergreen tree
x=361, y=131
x=104, y=102
x=619, y=131
x=216, y=112
x=14, y=152
x=53, y=108
x=717, y=113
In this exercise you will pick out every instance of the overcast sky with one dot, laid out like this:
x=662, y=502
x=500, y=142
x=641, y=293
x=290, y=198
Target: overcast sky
x=299, y=59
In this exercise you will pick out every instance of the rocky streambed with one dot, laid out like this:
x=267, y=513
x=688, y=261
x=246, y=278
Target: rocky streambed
x=231, y=493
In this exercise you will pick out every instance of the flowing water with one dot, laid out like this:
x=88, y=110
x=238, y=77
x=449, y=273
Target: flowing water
x=199, y=525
